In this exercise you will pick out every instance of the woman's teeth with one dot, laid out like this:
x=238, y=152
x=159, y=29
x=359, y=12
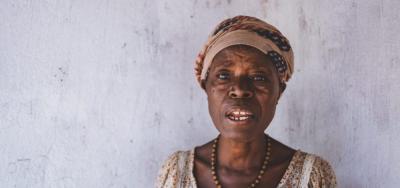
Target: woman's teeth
x=238, y=118
x=239, y=115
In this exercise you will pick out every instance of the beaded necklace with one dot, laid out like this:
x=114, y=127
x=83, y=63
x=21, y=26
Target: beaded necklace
x=260, y=173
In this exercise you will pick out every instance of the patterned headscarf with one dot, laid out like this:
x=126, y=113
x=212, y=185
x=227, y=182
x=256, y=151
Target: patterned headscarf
x=248, y=31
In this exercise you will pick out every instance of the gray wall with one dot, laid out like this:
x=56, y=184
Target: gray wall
x=99, y=93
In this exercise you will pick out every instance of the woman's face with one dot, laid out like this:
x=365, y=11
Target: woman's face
x=243, y=90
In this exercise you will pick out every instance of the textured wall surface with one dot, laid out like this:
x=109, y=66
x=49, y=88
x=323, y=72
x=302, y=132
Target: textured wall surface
x=99, y=93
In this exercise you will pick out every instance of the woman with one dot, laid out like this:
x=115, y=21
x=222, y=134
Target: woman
x=243, y=69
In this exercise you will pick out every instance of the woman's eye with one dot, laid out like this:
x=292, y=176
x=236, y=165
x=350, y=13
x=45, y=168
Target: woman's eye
x=223, y=76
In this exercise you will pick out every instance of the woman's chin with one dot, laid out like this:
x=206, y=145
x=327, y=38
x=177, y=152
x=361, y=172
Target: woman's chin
x=239, y=130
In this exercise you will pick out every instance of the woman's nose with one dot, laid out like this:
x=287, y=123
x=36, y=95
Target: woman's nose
x=241, y=89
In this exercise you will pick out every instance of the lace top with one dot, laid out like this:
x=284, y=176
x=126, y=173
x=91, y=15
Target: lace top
x=304, y=170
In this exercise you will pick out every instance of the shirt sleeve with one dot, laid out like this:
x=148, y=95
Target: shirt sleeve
x=322, y=175
x=168, y=174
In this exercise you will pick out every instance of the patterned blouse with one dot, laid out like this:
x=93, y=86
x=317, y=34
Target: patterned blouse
x=304, y=170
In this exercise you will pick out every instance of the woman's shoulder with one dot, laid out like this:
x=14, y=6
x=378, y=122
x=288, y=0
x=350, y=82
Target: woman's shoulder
x=176, y=166
x=176, y=159
x=303, y=155
x=316, y=169
x=180, y=154
x=322, y=174
x=318, y=163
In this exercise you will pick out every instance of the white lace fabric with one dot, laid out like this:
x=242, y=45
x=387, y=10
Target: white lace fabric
x=304, y=170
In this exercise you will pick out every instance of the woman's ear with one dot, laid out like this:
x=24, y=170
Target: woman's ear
x=203, y=84
x=204, y=81
x=282, y=87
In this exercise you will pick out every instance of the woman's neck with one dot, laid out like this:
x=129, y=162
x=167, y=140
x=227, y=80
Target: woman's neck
x=241, y=155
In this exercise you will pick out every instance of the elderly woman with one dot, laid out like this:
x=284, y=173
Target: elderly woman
x=243, y=69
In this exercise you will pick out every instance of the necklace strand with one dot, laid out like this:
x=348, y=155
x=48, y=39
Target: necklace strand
x=260, y=173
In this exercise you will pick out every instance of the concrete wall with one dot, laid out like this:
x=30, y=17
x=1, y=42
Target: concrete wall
x=98, y=93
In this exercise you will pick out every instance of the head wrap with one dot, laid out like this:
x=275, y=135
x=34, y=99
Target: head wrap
x=249, y=31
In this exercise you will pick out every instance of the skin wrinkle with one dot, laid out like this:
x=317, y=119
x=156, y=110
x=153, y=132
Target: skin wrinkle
x=242, y=77
x=240, y=57
x=265, y=94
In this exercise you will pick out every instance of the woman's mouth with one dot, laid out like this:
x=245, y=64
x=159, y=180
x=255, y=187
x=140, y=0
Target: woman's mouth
x=239, y=115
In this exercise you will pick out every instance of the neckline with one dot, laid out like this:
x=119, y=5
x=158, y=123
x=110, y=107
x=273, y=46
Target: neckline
x=281, y=182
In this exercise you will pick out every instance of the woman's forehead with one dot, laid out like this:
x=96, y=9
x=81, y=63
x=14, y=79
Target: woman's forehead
x=241, y=55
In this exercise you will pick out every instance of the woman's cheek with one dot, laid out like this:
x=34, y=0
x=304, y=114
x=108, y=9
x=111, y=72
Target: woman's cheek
x=217, y=86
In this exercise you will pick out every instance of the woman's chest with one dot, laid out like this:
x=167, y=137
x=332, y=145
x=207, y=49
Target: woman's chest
x=205, y=178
